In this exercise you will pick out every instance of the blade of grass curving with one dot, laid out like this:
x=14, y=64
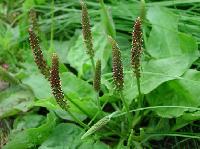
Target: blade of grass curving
x=157, y=107
x=107, y=20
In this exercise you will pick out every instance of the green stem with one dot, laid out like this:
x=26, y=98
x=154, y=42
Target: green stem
x=137, y=118
x=77, y=120
x=52, y=26
x=143, y=10
x=101, y=108
x=98, y=102
x=93, y=63
x=93, y=118
x=139, y=93
x=121, y=142
x=126, y=108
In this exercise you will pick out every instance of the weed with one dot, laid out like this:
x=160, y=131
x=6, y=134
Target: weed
x=146, y=97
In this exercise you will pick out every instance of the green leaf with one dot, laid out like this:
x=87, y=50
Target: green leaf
x=6, y=76
x=74, y=86
x=15, y=99
x=32, y=137
x=51, y=104
x=183, y=91
x=78, y=90
x=86, y=104
x=163, y=40
x=60, y=48
x=39, y=85
x=70, y=85
x=173, y=53
x=29, y=120
x=185, y=119
x=68, y=136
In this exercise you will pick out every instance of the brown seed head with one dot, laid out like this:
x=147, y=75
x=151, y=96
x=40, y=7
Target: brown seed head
x=136, y=50
x=38, y=55
x=87, y=35
x=56, y=84
x=118, y=75
x=97, y=76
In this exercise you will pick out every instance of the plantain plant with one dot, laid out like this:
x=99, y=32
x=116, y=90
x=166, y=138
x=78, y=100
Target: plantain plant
x=106, y=121
x=120, y=121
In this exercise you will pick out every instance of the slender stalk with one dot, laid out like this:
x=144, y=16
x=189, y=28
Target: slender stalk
x=77, y=120
x=93, y=63
x=143, y=10
x=101, y=108
x=120, y=143
x=137, y=118
x=126, y=107
x=114, y=105
x=52, y=26
x=139, y=93
x=138, y=114
x=98, y=102
x=93, y=118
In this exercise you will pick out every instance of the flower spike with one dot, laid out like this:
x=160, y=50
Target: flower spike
x=38, y=55
x=56, y=84
x=118, y=75
x=136, y=50
x=87, y=35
